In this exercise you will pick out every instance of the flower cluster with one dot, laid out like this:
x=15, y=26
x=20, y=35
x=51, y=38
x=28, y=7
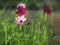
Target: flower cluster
x=20, y=11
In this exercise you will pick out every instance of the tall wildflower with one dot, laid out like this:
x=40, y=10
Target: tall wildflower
x=20, y=11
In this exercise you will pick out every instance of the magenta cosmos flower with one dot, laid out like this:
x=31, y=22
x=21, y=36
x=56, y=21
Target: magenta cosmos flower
x=21, y=9
x=20, y=19
x=47, y=10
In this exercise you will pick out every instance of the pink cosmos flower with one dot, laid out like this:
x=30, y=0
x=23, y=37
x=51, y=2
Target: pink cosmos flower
x=20, y=19
x=21, y=5
x=21, y=9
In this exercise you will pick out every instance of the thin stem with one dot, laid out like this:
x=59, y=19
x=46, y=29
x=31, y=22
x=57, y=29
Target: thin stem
x=10, y=42
x=46, y=17
x=5, y=35
x=25, y=32
x=39, y=32
x=45, y=40
x=45, y=35
x=32, y=28
x=20, y=34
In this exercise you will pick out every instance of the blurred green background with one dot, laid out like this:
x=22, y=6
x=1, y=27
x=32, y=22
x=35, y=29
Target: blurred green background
x=31, y=4
x=7, y=21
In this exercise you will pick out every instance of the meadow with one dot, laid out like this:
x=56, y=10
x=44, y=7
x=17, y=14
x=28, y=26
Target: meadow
x=36, y=32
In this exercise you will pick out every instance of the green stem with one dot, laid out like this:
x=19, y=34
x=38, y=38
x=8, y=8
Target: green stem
x=18, y=40
x=5, y=35
x=32, y=28
x=10, y=42
x=20, y=27
x=45, y=40
x=25, y=28
x=25, y=32
x=46, y=17
x=20, y=34
x=39, y=33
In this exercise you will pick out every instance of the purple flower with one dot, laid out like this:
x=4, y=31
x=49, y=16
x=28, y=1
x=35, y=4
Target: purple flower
x=47, y=10
x=21, y=9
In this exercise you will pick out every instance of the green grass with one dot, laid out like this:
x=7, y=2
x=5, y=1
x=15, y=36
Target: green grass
x=38, y=32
